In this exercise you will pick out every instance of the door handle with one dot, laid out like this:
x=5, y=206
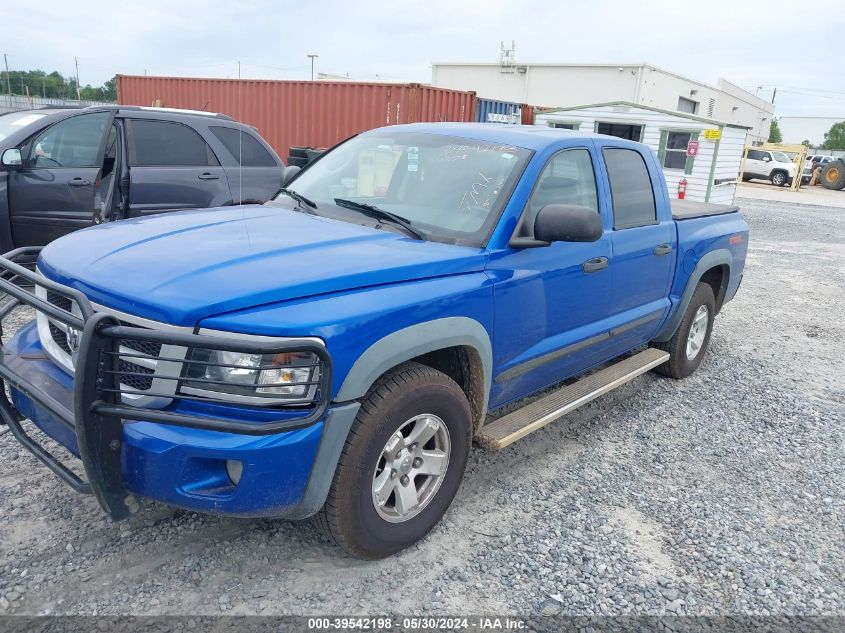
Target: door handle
x=208, y=176
x=662, y=249
x=78, y=182
x=594, y=265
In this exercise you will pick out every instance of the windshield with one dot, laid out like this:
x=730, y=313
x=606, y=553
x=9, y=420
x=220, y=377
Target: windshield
x=449, y=188
x=14, y=121
x=780, y=157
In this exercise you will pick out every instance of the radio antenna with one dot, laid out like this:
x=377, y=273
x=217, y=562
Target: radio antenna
x=240, y=142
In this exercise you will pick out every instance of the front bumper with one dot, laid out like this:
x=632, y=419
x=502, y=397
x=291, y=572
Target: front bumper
x=178, y=454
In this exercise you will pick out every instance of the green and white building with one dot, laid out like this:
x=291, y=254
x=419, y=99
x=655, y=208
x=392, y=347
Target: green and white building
x=711, y=168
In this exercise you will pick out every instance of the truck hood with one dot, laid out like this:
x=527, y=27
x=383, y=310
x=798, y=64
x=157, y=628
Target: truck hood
x=182, y=267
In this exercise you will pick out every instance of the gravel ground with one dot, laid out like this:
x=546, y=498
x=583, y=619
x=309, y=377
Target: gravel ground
x=720, y=494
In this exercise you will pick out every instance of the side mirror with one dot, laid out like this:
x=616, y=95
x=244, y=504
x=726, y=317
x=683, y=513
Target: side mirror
x=289, y=172
x=567, y=223
x=766, y=159
x=12, y=157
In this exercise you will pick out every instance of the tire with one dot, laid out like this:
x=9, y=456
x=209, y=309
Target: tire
x=412, y=394
x=746, y=178
x=680, y=364
x=833, y=175
x=778, y=178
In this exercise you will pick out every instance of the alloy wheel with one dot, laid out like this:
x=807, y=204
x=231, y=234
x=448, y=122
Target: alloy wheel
x=697, y=332
x=411, y=468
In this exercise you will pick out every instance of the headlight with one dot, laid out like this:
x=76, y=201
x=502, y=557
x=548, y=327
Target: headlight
x=285, y=376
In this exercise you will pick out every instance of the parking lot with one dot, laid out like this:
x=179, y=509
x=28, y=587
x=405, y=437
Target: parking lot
x=816, y=195
x=719, y=494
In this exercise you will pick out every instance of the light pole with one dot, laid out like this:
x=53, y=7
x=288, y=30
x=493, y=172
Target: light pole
x=312, y=56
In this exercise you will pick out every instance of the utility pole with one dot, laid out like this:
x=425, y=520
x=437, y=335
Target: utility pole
x=78, y=94
x=312, y=56
x=774, y=93
x=8, y=78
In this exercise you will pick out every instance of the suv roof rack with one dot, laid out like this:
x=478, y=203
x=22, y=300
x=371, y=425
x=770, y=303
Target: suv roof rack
x=186, y=112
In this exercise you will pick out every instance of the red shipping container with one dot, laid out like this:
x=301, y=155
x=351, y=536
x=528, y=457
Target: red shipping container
x=301, y=113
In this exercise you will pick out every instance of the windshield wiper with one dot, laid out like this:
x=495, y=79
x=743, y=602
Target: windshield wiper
x=298, y=197
x=380, y=214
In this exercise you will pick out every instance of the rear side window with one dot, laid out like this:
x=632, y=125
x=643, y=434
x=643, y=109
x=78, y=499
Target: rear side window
x=631, y=190
x=242, y=143
x=166, y=144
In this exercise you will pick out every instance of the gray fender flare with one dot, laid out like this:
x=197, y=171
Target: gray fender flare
x=414, y=341
x=719, y=257
x=381, y=356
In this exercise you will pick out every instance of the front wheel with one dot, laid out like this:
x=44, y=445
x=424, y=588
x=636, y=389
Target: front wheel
x=402, y=464
x=778, y=179
x=687, y=346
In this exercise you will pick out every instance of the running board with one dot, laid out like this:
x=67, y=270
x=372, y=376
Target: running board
x=516, y=425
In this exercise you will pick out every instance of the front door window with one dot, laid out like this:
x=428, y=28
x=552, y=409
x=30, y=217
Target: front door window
x=74, y=142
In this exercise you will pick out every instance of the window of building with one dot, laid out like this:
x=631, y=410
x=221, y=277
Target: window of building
x=687, y=105
x=240, y=142
x=620, y=130
x=563, y=126
x=166, y=144
x=675, y=150
x=631, y=190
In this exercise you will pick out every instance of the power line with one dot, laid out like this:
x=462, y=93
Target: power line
x=802, y=90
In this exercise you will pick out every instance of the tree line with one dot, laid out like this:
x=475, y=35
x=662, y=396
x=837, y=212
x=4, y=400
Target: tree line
x=54, y=85
x=833, y=138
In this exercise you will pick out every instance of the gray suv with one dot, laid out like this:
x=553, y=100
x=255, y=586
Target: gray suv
x=64, y=169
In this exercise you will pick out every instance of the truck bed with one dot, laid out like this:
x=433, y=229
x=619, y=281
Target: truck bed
x=689, y=209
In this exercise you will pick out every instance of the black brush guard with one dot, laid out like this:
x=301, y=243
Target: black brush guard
x=98, y=410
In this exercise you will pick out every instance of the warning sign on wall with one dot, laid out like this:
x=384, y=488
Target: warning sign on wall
x=692, y=148
x=713, y=135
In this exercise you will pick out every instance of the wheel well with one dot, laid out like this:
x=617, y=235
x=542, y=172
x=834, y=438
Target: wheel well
x=717, y=277
x=463, y=365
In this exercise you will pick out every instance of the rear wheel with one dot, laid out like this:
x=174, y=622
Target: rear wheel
x=689, y=343
x=402, y=464
x=833, y=175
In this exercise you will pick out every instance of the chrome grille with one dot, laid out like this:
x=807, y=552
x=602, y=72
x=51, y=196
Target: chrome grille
x=127, y=375
x=142, y=347
x=137, y=371
x=60, y=338
x=60, y=301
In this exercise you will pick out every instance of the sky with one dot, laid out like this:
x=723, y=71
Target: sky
x=757, y=45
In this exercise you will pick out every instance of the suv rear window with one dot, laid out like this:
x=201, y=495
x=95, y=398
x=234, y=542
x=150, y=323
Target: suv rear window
x=166, y=144
x=242, y=142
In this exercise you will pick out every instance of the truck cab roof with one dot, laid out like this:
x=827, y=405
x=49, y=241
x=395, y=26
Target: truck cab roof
x=534, y=137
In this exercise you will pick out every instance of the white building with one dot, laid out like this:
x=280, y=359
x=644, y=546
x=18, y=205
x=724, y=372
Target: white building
x=797, y=129
x=710, y=174
x=565, y=85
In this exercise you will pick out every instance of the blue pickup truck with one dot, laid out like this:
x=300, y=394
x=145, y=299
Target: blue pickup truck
x=334, y=352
